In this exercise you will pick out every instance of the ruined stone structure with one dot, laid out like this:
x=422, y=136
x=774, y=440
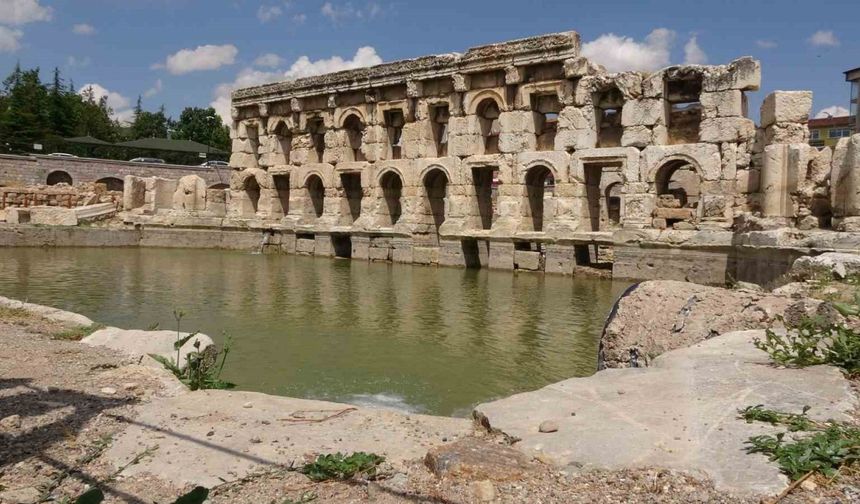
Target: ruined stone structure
x=526, y=155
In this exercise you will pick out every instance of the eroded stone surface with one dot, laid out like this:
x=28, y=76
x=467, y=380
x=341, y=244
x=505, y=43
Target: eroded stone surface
x=680, y=413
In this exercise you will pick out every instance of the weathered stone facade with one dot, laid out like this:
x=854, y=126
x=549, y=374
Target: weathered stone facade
x=526, y=155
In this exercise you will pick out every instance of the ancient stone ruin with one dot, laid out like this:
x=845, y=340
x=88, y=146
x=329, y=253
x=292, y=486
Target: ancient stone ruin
x=523, y=155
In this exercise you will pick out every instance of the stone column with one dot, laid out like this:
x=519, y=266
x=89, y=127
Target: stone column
x=845, y=180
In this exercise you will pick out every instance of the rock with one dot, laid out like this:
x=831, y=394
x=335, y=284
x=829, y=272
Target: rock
x=129, y=386
x=248, y=405
x=748, y=286
x=828, y=265
x=657, y=316
x=26, y=495
x=484, y=491
x=793, y=289
x=548, y=426
x=138, y=343
x=108, y=391
x=473, y=458
x=11, y=422
x=808, y=485
x=679, y=413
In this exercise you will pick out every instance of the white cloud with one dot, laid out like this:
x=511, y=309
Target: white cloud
x=10, y=39
x=75, y=62
x=342, y=12
x=83, y=29
x=270, y=60
x=299, y=18
x=823, y=38
x=834, y=111
x=121, y=105
x=693, y=54
x=302, y=67
x=154, y=90
x=766, y=44
x=267, y=13
x=206, y=57
x=619, y=53
x=18, y=12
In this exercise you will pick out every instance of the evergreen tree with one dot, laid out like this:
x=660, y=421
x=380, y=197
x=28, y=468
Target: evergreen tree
x=25, y=120
x=203, y=125
x=61, y=110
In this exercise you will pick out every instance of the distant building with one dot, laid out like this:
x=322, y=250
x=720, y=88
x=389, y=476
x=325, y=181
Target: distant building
x=853, y=76
x=827, y=131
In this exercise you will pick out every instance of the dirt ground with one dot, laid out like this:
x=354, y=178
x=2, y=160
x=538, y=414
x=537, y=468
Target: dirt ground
x=61, y=403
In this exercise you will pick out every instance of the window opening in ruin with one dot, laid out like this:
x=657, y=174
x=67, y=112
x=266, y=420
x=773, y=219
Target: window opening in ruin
x=440, y=115
x=392, y=190
x=483, y=179
x=284, y=140
x=608, y=111
x=678, y=191
x=540, y=185
x=254, y=140
x=436, y=188
x=112, y=183
x=316, y=128
x=394, y=122
x=685, y=110
x=59, y=177
x=488, y=119
x=316, y=195
x=342, y=245
x=613, y=203
x=354, y=134
x=545, y=109
x=252, y=193
x=582, y=255
x=593, y=174
x=282, y=190
x=351, y=183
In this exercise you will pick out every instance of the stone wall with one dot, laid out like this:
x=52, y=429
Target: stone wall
x=526, y=155
x=32, y=170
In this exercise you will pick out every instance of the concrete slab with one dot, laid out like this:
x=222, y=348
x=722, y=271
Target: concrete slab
x=680, y=413
x=224, y=436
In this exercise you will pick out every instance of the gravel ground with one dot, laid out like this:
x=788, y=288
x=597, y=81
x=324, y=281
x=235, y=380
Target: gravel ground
x=62, y=402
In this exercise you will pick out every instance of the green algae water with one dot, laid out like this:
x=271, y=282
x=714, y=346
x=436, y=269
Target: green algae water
x=423, y=339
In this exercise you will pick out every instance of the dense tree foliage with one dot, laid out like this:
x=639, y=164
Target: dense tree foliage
x=33, y=112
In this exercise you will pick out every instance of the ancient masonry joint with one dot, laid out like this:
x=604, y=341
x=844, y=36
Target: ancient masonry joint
x=522, y=155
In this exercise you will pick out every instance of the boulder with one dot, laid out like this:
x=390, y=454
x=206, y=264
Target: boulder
x=828, y=265
x=477, y=459
x=139, y=343
x=53, y=216
x=657, y=316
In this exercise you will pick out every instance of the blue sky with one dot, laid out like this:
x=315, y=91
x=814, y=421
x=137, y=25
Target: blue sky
x=192, y=52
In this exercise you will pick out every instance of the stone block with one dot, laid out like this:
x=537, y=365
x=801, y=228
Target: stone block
x=323, y=246
x=786, y=107
x=501, y=255
x=425, y=255
x=16, y=215
x=726, y=129
x=727, y=103
x=644, y=112
x=53, y=216
x=527, y=260
x=636, y=136
x=786, y=133
x=559, y=259
x=674, y=213
x=379, y=253
x=305, y=246
x=360, y=247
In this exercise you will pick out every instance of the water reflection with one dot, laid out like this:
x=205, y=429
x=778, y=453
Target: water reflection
x=431, y=339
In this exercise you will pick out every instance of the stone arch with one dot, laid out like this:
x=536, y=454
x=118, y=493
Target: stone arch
x=539, y=185
x=59, y=177
x=343, y=115
x=481, y=96
x=354, y=128
x=435, y=183
x=251, y=188
x=112, y=183
x=315, y=195
x=556, y=171
x=391, y=184
x=614, y=207
x=681, y=177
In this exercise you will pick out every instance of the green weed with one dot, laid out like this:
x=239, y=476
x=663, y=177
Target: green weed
x=824, y=451
x=77, y=333
x=793, y=421
x=814, y=342
x=342, y=467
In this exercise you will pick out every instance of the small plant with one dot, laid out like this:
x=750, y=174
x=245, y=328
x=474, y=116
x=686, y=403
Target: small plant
x=340, y=467
x=77, y=333
x=795, y=422
x=813, y=342
x=824, y=451
x=202, y=368
x=96, y=496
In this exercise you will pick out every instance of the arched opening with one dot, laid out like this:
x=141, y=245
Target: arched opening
x=219, y=186
x=316, y=195
x=59, y=177
x=112, y=183
x=316, y=128
x=354, y=134
x=540, y=185
x=252, y=195
x=392, y=190
x=613, y=203
x=283, y=142
x=678, y=191
x=436, y=189
x=488, y=118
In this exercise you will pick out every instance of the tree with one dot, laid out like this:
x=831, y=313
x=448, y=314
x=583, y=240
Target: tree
x=61, y=110
x=25, y=120
x=203, y=125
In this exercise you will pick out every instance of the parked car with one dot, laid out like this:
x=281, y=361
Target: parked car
x=215, y=164
x=62, y=154
x=150, y=160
